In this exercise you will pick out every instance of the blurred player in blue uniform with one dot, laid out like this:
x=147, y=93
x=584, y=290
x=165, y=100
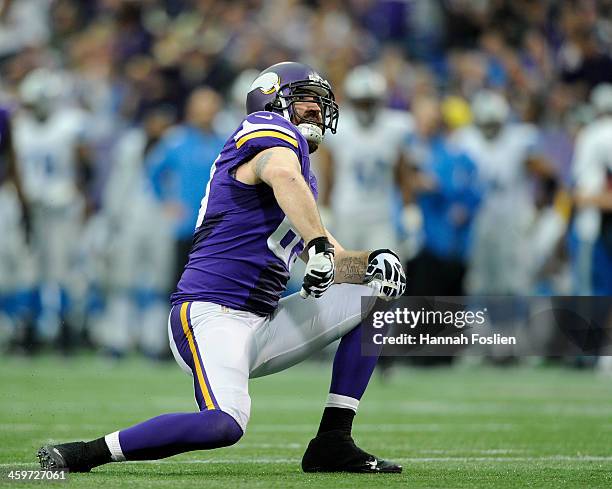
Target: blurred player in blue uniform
x=228, y=323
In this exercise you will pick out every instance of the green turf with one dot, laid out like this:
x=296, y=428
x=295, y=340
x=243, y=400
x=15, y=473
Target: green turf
x=462, y=427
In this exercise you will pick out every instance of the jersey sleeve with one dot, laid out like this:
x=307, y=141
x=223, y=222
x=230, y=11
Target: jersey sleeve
x=263, y=130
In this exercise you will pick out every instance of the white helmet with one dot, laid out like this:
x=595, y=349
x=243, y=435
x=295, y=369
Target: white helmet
x=241, y=87
x=489, y=107
x=364, y=82
x=601, y=98
x=41, y=86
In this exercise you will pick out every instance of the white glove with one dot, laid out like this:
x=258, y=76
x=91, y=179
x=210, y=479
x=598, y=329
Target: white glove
x=384, y=267
x=320, y=269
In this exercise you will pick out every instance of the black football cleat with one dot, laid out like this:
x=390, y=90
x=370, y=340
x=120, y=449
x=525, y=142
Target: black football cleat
x=335, y=451
x=67, y=456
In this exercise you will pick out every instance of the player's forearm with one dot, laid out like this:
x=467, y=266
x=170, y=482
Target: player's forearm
x=351, y=266
x=297, y=202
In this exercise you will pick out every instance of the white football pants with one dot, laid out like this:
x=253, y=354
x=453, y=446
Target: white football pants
x=222, y=348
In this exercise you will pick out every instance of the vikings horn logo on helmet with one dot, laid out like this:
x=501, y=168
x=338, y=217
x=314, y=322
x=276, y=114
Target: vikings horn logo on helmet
x=268, y=83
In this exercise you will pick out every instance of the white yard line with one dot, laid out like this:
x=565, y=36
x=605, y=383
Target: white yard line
x=268, y=460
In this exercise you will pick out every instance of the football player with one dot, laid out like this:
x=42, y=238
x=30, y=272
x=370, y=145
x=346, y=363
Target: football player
x=227, y=323
x=365, y=166
x=48, y=141
x=592, y=172
x=137, y=234
x=506, y=155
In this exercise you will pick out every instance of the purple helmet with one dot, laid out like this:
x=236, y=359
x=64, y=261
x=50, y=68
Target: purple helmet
x=278, y=87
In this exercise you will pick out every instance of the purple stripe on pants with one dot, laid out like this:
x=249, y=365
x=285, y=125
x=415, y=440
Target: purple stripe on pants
x=182, y=345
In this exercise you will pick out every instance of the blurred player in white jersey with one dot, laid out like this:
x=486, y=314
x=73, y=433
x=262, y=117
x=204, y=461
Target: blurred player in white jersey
x=591, y=234
x=592, y=174
x=50, y=156
x=232, y=113
x=137, y=234
x=505, y=152
x=364, y=168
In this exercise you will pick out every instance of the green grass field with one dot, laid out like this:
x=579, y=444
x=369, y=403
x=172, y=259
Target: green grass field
x=462, y=427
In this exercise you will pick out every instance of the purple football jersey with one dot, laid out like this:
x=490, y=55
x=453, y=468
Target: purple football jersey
x=244, y=245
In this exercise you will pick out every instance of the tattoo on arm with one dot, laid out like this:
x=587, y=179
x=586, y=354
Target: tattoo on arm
x=351, y=269
x=261, y=163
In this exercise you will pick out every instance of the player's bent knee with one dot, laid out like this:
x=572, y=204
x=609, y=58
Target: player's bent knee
x=227, y=429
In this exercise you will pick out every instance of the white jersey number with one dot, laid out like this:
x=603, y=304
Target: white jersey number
x=283, y=241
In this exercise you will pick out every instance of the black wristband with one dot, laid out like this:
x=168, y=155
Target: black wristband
x=320, y=245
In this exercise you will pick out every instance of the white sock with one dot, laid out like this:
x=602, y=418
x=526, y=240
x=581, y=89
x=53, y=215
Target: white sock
x=114, y=447
x=339, y=401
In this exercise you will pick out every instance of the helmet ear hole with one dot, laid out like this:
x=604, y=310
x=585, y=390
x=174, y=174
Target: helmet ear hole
x=272, y=106
x=276, y=104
